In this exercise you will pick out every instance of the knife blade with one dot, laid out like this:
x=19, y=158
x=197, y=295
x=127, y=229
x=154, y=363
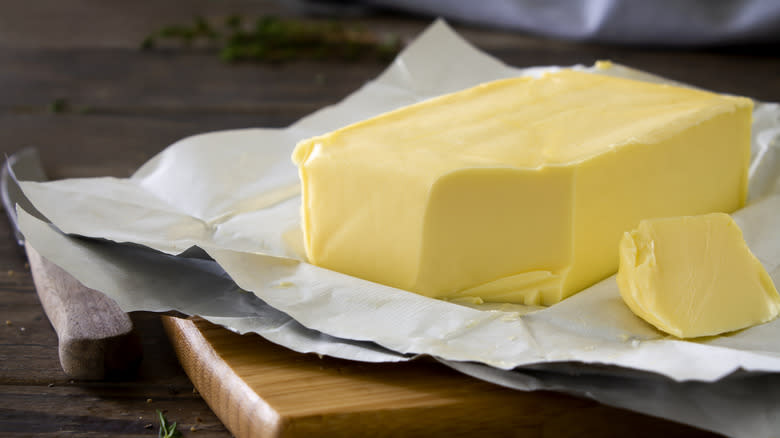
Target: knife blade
x=96, y=339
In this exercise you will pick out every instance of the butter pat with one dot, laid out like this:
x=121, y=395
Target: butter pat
x=694, y=276
x=517, y=190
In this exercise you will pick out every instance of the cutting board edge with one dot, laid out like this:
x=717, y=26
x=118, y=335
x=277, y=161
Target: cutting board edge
x=246, y=414
x=229, y=395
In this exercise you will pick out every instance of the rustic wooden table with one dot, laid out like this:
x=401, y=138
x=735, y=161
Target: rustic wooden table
x=123, y=105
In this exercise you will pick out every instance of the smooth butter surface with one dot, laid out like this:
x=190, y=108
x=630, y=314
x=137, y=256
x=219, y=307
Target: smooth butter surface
x=694, y=276
x=517, y=190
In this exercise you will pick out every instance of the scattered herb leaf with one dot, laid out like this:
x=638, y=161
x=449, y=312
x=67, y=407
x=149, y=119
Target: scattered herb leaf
x=58, y=105
x=272, y=39
x=167, y=430
x=233, y=22
x=148, y=43
x=62, y=105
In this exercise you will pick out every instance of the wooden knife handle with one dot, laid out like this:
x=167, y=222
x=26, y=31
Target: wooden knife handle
x=96, y=338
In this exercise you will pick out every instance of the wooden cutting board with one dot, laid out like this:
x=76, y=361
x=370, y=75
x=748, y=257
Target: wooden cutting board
x=259, y=389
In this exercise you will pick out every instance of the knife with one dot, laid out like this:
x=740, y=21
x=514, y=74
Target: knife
x=96, y=339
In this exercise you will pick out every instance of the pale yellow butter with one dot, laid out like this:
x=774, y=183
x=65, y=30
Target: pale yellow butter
x=517, y=190
x=694, y=276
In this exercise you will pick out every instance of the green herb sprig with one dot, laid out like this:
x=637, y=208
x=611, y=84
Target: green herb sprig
x=62, y=105
x=272, y=39
x=58, y=105
x=167, y=430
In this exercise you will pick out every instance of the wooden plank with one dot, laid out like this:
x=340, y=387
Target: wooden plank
x=259, y=389
x=135, y=82
x=132, y=81
x=73, y=145
x=29, y=345
x=127, y=80
x=95, y=337
x=105, y=409
x=38, y=399
x=108, y=23
x=29, y=353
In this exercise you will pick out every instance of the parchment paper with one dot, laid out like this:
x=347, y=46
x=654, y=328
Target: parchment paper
x=234, y=194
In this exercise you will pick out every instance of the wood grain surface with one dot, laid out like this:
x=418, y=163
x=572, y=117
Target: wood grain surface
x=125, y=105
x=95, y=338
x=263, y=390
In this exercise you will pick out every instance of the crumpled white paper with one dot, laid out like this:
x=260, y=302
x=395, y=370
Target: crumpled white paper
x=235, y=195
x=742, y=405
x=139, y=279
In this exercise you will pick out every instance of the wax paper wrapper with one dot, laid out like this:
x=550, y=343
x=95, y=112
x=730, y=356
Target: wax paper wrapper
x=211, y=227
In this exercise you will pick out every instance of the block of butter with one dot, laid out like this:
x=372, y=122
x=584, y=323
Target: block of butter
x=517, y=190
x=694, y=276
